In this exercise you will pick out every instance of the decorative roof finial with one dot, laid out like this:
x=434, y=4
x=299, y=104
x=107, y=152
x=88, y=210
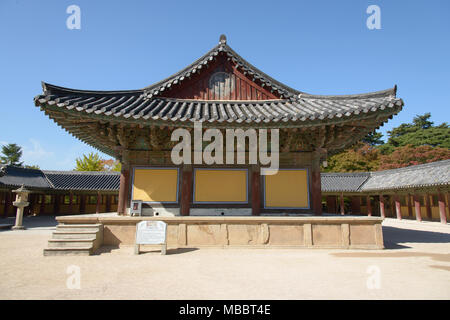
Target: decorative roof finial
x=223, y=39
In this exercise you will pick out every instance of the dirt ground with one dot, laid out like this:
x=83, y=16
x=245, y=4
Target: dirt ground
x=414, y=265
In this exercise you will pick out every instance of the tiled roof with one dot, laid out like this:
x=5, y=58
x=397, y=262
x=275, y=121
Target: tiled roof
x=423, y=175
x=84, y=180
x=16, y=176
x=300, y=111
x=343, y=182
x=149, y=104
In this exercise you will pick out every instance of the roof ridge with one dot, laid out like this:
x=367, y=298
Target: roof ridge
x=414, y=167
x=75, y=172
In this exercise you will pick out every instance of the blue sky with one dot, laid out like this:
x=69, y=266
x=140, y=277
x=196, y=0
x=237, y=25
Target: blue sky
x=320, y=47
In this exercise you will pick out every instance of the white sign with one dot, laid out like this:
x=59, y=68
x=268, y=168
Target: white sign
x=151, y=232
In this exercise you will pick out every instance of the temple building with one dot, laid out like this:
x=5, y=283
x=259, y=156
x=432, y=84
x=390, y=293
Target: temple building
x=223, y=91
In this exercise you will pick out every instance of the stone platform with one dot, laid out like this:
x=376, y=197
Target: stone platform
x=251, y=232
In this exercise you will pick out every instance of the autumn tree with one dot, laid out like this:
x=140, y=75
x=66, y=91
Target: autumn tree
x=410, y=155
x=111, y=165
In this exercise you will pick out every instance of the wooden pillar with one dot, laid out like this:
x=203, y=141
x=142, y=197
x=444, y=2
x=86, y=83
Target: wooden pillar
x=398, y=207
x=82, y=203
x=70, y=202
x=448, y=202
x=316, y=186
x=6, y=205
x=186, y=190
x=428, y=206
x=42, y=206
x=417, y=208
x=331, y=204
x=56, y=204
x=108, y=203
x=356, y=205
x=409, y=206
x=382, y=209
x=369, y=206
x=124, y=190
x=342, y=203
x=99, y=199
x=2, y=196
x=256, y=193
x=442, y=212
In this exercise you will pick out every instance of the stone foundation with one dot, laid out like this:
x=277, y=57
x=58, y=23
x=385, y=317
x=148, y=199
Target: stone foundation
x=251, y=232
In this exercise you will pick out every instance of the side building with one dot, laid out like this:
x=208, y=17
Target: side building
x=59, y=192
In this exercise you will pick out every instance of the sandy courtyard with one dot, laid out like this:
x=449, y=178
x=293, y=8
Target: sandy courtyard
x=415, y=265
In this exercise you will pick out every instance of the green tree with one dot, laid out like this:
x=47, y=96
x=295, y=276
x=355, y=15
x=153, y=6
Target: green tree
x=91, y=162
x=34, y=166
x=421, y=132
x=11, y=154
x=373, y=138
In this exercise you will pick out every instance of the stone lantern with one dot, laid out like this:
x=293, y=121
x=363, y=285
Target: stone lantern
x=21, y=202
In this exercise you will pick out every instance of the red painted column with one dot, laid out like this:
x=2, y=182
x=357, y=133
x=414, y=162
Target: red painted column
x=409, y=206
x=369, y=206
x=186, y=190
x=256, y=193
x=123, y=190
x=442, y=212
x=398, y=207
x=448, y=202
x=428, y=206
x=417, y=208
x=316, y=186
x=382, y=212
x=342, y=203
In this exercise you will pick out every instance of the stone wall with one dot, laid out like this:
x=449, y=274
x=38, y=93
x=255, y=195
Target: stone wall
x=252, y=232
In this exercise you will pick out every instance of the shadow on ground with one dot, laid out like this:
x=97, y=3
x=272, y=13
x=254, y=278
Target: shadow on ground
x=394, y=237
x=31, y=222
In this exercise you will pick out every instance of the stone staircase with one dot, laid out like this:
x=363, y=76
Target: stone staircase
x=75, y=239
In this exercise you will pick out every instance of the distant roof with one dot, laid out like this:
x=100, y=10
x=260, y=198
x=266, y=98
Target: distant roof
x=17, y=176
x=417, y=176
x=339, y=182
x=59, y=180
x=84, y=180
x=422, y=175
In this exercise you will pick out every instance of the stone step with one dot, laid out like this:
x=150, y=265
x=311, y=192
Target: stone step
x=75, y=243
x=78, y=227
x=75, y=234
x=68, y=251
